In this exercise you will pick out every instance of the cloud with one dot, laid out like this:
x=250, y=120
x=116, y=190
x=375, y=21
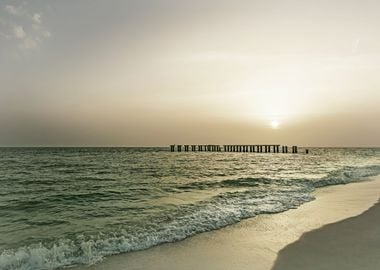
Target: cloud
x=4, y=35
x=19, y=32
x=29, y=43
x=46, y=34
x=37, y=18
x=22, y=28
x=12, y=10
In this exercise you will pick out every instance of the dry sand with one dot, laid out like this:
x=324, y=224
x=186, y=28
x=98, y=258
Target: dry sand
x=350, y=244
x=255, y=243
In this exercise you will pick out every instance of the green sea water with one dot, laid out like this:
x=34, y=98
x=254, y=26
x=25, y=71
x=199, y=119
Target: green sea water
x=69, y=206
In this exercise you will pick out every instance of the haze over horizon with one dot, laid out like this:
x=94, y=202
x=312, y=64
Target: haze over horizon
x=135, y=73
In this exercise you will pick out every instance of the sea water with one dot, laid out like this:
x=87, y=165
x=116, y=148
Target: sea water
x=69, y=206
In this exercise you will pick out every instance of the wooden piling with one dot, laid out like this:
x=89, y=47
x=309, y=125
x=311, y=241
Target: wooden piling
x=266, y=148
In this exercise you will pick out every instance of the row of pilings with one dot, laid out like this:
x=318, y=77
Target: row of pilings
x=264, y=148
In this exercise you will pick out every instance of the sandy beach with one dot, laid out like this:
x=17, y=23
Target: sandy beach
x=287, y=240
x=349, y=244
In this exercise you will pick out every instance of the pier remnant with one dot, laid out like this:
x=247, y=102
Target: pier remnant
x=257, y=148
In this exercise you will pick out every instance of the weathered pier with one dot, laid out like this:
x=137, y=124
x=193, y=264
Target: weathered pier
x=261, y=148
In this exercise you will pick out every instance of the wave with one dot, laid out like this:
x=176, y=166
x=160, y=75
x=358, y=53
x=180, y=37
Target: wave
x=347, y=174
x=186, y=220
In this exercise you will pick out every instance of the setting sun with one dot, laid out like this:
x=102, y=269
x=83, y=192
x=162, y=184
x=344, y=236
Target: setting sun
x=275, y=124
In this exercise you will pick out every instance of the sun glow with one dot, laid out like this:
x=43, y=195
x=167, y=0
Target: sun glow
x=275, y=124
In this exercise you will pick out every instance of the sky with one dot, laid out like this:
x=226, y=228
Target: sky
x=160, y=72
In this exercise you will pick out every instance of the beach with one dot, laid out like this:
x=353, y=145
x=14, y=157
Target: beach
x=315, y=234
x=349, y=244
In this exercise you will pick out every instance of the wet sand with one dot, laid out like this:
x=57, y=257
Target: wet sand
x=256, y=243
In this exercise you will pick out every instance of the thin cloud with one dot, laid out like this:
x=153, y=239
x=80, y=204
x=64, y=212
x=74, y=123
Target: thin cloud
x=5, y=36
x=19, y=32
x=21, y=27
x=12, y=10
x=37, y=18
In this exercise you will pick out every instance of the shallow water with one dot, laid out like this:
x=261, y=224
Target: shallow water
x=67, y=206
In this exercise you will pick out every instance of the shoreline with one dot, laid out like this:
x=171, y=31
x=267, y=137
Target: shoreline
x=253, y=243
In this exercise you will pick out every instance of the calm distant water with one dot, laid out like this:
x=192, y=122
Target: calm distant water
x=67, y=206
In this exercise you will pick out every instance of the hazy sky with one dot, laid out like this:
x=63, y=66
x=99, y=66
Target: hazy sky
x=95, y=72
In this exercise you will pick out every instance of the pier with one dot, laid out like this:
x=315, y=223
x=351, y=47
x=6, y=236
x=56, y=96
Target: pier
x=261, y=148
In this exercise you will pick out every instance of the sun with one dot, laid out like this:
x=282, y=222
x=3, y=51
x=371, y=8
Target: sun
x=275, y=124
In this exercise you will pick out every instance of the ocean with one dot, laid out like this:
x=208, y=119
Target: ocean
x=75, y=206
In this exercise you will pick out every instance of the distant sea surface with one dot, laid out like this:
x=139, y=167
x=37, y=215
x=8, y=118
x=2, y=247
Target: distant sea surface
x=69, y=206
